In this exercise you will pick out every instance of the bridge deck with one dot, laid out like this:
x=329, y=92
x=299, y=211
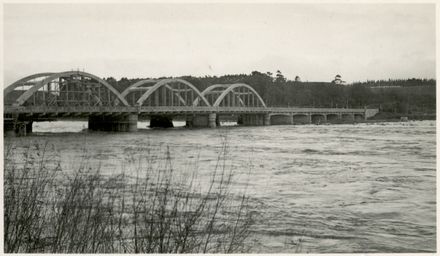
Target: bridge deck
x=172, y=110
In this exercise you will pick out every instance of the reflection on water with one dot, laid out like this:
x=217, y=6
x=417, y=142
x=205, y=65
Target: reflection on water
x=340, y=188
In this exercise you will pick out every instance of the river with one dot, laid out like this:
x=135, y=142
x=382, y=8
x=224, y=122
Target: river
x=338, y=188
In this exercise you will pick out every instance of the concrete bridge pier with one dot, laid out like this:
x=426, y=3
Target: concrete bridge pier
x=212, y=120
x=16, y=128
x=119, y=123
x=209, y=120
x=189, y=121
x=267, y=119
x=9, y=128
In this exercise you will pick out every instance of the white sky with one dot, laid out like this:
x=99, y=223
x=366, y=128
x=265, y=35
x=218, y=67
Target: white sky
x=314, y=41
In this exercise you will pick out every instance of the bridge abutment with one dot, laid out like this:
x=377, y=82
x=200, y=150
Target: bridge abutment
x=120, y=123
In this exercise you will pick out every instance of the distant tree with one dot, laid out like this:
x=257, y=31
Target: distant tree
x=280, y=79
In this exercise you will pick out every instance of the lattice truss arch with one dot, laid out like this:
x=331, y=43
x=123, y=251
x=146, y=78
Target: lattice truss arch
x=171, y=92
x=233, y=95
x=70, y=88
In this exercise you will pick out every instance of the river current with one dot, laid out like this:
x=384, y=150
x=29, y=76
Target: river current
x=337, y=188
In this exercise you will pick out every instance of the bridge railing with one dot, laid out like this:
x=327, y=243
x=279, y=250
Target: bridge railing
x=201, y=110
x=170, y=109
x=315, y=110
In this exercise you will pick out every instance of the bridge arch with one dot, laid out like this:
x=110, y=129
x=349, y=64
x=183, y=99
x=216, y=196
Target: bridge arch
x=23, y=81
x=301, y=118
x=358, y=117
x=233, y=95
x=212, y=92
x=164, y=92
x=333, y=118
x=84, y=89
x=318, y=118
x=281, y=118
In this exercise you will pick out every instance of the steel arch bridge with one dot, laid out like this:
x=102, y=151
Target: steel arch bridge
x=173, y=92
x=64, y=89
x=52, y=95
x=81, y=89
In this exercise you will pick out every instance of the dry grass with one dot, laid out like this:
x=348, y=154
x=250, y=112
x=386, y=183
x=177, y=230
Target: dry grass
x=156, y=209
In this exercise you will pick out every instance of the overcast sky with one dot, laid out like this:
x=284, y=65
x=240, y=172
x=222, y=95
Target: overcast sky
x=314, y=41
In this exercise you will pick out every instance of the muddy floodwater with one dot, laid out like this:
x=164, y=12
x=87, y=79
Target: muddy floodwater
x=337, y=188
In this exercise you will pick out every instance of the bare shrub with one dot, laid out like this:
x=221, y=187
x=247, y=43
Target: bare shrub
x=149, y=208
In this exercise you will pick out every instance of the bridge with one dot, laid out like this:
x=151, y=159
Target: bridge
x=81, y=95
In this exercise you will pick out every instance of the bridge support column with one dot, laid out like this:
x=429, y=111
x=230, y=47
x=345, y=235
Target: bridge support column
x=123, y=123
x=29, y=127
x=266, y=119
x=189, y=121
x=260, y=120
x=309, y=118
x=208, y=120
x=9, y=128
x=14, y=128
x=212, y=119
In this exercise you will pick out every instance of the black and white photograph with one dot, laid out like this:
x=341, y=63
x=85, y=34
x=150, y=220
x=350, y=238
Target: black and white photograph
x=219, y=127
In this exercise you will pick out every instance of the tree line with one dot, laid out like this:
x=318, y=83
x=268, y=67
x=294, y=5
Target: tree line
x=404, y=96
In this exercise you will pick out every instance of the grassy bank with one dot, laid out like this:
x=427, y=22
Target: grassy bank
x=152, y=208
